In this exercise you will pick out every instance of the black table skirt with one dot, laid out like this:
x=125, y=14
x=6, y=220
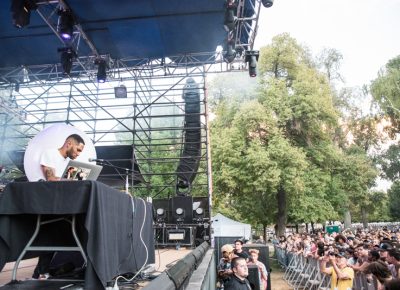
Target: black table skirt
x=107, y=225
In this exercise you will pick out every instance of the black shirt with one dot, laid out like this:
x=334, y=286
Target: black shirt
x=237, y=284
x=242, y=254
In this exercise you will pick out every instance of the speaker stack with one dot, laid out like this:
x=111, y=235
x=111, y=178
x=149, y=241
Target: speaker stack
x=190, y=155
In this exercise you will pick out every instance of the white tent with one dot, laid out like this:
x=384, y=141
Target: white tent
x=226, y=227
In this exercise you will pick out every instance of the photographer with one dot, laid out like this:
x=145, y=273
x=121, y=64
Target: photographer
x=342, y=275
x=224, y=268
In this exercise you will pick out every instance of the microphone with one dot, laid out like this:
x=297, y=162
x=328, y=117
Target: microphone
x=96, y=160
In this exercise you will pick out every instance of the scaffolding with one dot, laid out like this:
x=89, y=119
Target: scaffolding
x=151, y=116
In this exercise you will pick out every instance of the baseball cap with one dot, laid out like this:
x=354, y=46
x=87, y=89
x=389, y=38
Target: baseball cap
x=227, y=248
x=340, y=254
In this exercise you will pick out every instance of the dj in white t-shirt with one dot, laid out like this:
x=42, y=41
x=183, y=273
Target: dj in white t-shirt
x=53, y=161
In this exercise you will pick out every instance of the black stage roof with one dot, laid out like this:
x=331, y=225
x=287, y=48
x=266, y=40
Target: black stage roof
x=121, y=29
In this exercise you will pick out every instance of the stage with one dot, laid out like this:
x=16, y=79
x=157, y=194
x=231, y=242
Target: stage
x=164, y=259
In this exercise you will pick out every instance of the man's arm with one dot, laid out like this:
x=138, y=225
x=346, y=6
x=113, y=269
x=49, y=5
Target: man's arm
x=49, y=173
x=323, y=268
x=342, y=275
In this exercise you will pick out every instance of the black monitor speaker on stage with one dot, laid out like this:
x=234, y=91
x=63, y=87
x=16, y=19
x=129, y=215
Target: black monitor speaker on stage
x=253, y=277
x=182, y=209
x=263, y=256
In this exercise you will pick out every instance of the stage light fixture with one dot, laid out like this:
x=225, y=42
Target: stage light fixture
x=120, y=92
x=65, y=24
x=267, y=3
x=230, y=52
x=251, y=59
x=101, y=70
x=21, y=12
x=230, y=18
x=67, y=56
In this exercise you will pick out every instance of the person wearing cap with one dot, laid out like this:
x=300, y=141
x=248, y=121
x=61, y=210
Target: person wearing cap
x=342, y=275
x=239, y=250
x=224, y=268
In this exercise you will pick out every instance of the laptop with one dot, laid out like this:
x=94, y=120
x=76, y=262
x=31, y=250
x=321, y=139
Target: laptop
x=77, y=170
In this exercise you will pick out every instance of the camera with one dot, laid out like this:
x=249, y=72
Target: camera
x=331, y=253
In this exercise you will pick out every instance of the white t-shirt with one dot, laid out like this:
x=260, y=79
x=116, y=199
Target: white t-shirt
x=52, y=158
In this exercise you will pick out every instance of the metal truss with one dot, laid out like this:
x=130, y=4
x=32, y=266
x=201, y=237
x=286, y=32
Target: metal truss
x=151, y=118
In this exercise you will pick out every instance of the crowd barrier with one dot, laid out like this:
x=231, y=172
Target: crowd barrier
x=304, y=273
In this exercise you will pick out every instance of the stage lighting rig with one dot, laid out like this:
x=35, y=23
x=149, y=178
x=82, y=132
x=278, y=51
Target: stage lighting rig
x=21, y=12
x=251, y=59
x=267, y=3
x=230, y=18
x=65, y=24
x=101, y=70
x=67, y=57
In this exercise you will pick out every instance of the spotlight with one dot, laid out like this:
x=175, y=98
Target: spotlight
x=16, y=87
x=267, y=3
x=183, y=187
x=252, y=58
x=229, y=19
x=65, y=24
x=120, y=92
x=67, y=56
x=101, y=70
x=21, y=12
x=230, y=52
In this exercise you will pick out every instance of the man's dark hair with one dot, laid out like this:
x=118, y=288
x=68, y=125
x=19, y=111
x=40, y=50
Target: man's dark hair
x=393, y=284
x=239, y=241
x=379, y=269
x=235, y=261
x=78, y=139
x=394, y=253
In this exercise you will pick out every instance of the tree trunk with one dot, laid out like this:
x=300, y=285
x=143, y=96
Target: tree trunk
x=364, y=217
x=347, y=219
x=312, y=228
x=265, y=232
x=306, y=227
x=282, y=210
x=297, y=228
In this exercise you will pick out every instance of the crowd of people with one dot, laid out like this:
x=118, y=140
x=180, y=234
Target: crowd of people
x=373, y=252
x=233, y=268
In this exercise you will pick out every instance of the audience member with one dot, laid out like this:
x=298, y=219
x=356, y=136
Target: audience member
x=239, y=250
x=262, y=271
x=239, y=278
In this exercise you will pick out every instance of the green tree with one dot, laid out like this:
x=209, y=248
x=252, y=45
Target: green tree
x=385, y=90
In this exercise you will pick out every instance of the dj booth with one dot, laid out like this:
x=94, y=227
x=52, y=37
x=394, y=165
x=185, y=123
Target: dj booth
x=114, y=230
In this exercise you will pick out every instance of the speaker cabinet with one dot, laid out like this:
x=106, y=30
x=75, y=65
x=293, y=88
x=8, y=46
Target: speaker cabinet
x=182, y=209
x=263, y=256
x=254, y=278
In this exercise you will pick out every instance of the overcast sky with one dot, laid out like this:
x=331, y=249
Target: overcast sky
x=366, y=32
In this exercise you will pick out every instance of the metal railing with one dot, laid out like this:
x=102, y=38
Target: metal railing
x=304, y=273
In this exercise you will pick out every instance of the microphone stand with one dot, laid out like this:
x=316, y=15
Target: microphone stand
x=127, y=171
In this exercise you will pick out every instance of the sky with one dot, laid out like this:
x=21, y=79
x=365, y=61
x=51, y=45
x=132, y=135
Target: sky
x=366, y=32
